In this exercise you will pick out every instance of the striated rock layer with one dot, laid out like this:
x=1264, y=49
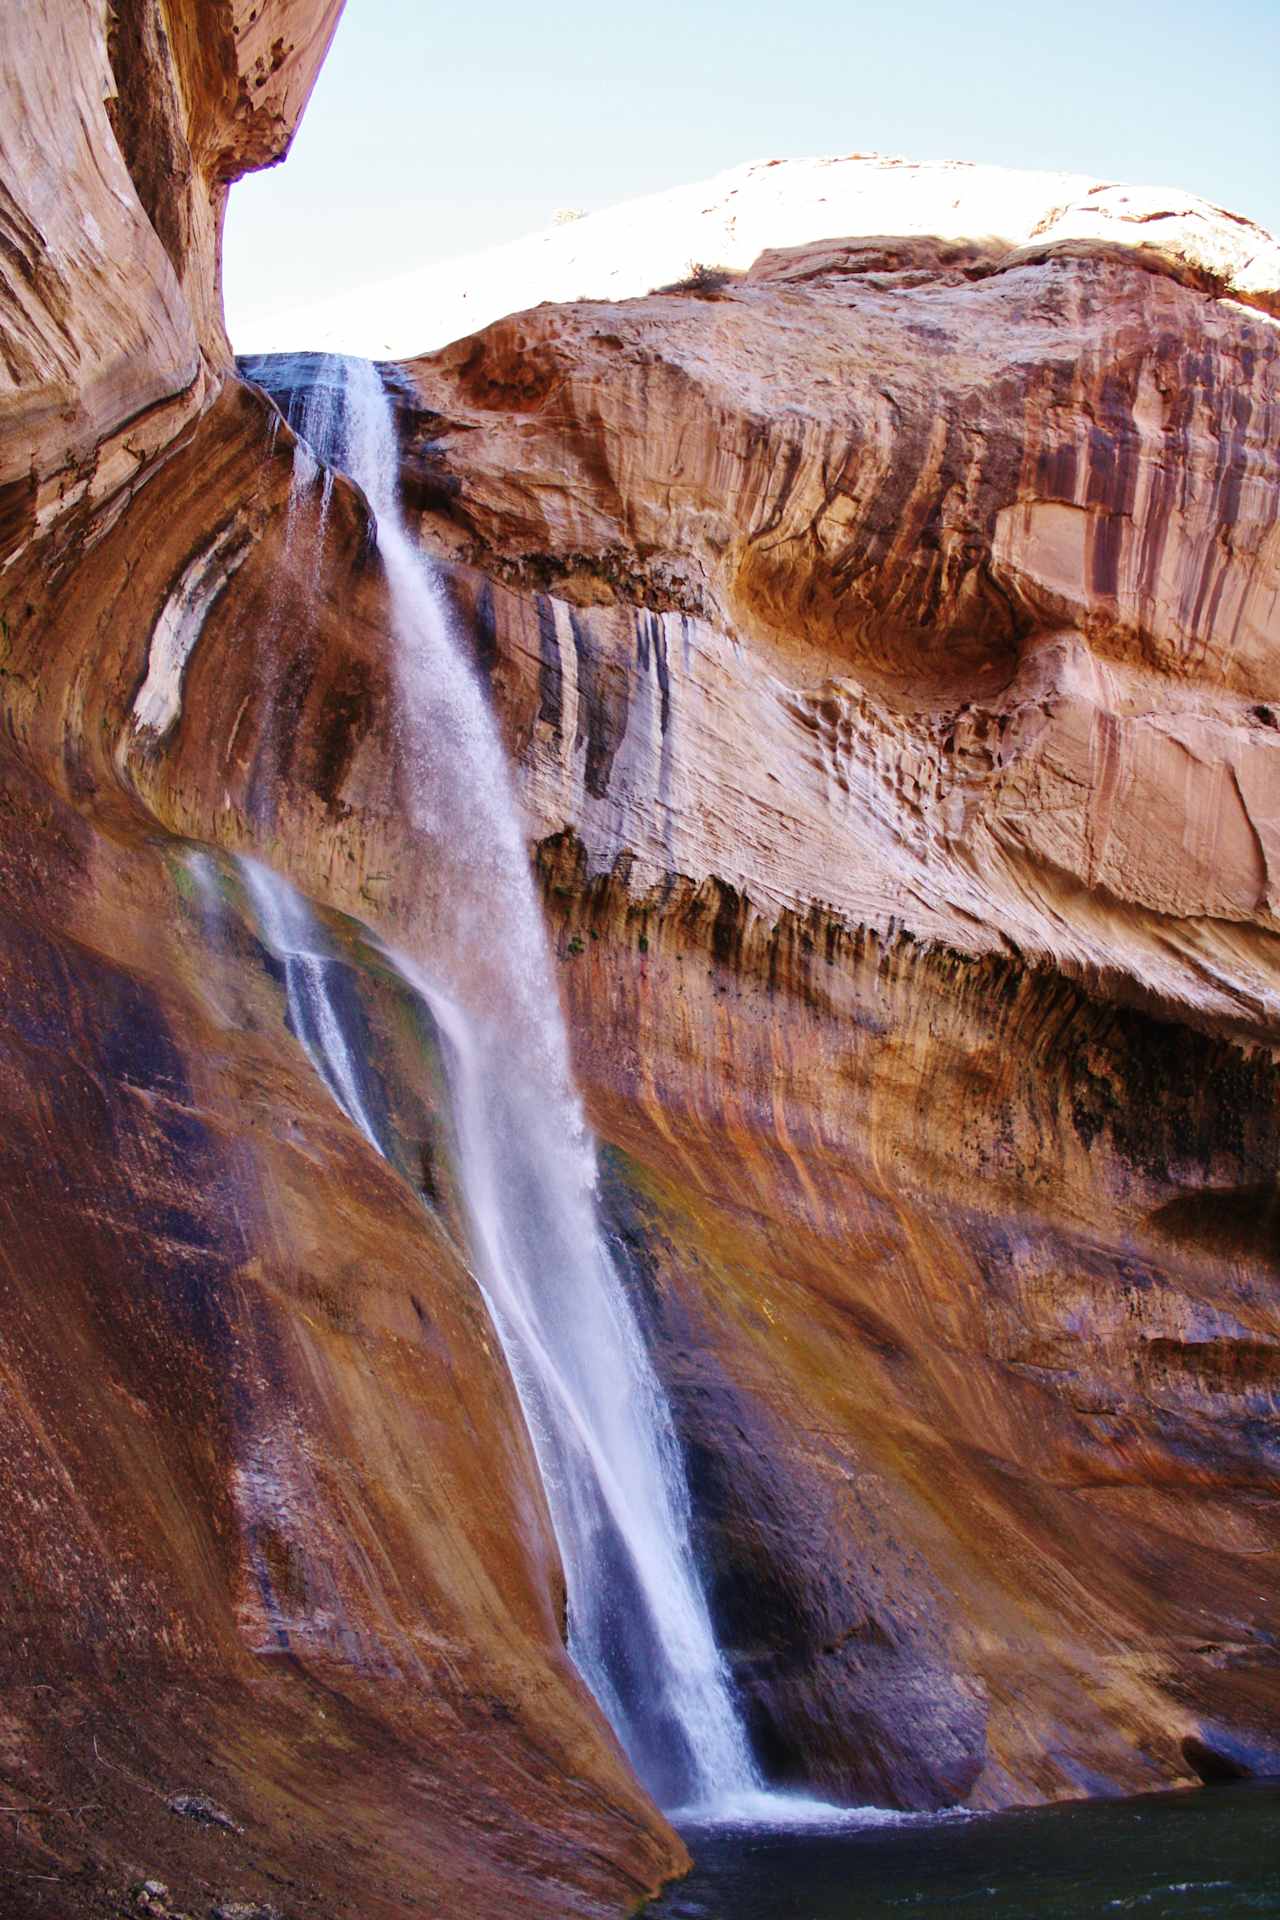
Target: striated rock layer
x=886, y=637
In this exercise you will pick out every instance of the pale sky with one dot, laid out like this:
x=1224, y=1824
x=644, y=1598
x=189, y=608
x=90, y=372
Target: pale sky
x=437, y=130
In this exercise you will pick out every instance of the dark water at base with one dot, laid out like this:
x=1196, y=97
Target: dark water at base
x=1206, y=1854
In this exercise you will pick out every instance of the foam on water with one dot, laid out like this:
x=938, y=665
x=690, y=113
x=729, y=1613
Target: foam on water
x=768, y=1810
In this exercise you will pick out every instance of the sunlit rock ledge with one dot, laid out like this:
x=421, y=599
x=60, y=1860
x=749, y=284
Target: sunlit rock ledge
x=729, y=221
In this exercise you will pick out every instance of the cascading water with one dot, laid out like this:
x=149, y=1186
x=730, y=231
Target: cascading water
x=639, y=1628
x=288, y=926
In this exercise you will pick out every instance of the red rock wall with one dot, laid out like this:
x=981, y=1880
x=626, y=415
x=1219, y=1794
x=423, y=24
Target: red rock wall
x=271, y=1536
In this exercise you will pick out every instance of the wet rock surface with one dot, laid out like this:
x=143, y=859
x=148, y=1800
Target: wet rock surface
x=983, y=1449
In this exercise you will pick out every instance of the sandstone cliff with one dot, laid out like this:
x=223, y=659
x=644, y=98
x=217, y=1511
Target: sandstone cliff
x=281, y=1610
x=886, y=636
x=889, y=639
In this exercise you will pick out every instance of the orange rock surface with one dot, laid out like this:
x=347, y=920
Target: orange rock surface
x=272, y=1541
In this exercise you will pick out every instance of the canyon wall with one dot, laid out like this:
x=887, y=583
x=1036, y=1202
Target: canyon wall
x=889, y=640
x=281, y=1614
x=886, y=639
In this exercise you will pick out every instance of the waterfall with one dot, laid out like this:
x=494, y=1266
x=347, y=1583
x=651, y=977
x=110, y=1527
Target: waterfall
x=639, y=1627
x=290, y=929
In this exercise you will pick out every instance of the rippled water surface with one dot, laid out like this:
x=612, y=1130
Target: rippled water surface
x=1208, y=1854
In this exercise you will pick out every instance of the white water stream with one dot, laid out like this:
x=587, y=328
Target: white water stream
x=639, y=1627
x=291, y=930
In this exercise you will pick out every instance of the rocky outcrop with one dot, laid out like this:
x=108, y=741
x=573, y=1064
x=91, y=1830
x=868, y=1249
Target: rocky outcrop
x=726, y=224
x=120, y=139
x=886, y=639
x=984, y=558
x=272, y=1537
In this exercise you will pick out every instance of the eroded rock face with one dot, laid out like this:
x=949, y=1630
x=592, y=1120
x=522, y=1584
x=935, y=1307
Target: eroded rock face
x=122, y=132
x=984, y=557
